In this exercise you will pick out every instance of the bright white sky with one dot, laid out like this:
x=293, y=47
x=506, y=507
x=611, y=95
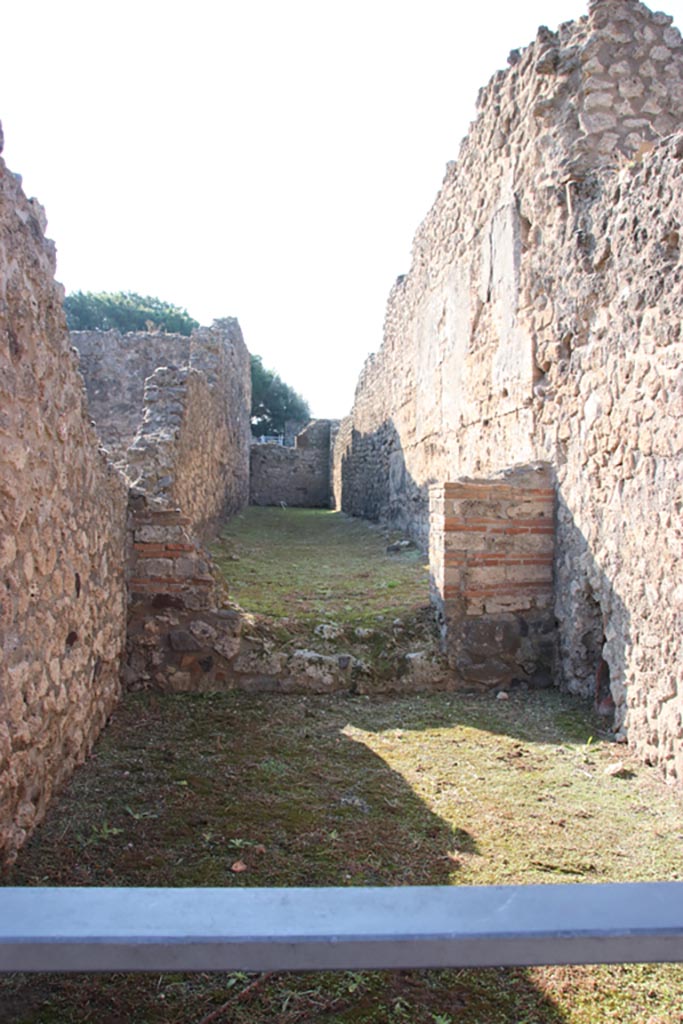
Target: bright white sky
x=252, y=158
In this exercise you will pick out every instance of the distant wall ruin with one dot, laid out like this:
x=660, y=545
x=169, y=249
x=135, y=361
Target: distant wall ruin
x=188, y=466
x=62, y=536
x=298, y=476
x=115, y=367
x=540, y=320
x=180, y=433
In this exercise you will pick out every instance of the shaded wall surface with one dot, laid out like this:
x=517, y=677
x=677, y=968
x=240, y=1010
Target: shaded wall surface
x=298, y=476
x=540, y=320
x=62, y=522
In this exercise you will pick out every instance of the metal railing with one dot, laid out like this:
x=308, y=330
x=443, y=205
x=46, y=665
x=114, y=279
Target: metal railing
x=269, y=439
x=129, y=929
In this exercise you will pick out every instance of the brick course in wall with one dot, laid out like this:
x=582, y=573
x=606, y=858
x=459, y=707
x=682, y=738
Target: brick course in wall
x=179, y=638
x=183, y=633
x=491, y=562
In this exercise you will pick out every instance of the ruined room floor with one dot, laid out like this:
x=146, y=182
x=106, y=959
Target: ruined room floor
x=326, y=582
x=313, y=565
x=244, y=790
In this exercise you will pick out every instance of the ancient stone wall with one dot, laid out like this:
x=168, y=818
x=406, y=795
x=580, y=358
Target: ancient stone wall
x=179, y=636
x=62, y=517
x=184, y=437
x=292, y=428
x=192, y=447
x=540, y=321
x=115, y=367
x=298, y=476
x=609, y=411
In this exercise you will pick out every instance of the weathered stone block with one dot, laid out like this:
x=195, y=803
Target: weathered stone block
x=159, y=534
x=181, y=640
x=161, y=567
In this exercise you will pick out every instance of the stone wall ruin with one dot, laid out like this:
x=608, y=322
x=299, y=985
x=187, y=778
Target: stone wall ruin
x=298, y=476
x=174, y=413
x=62, y=536
x=540, y=321
x=115, y=367
x=74, y=534
x=188, y=467
x=538, y=327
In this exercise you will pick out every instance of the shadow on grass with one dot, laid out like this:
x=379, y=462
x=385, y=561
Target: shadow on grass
x=239, y=791
x=531, y=716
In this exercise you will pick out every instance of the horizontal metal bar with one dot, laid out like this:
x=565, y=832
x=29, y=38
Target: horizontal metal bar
x=53, y=929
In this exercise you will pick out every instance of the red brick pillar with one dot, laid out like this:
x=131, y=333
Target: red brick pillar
x=180, y=634
x=491, y=560
x=167, y=568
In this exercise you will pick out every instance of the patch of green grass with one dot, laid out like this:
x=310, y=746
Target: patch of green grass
x=312, y=565
x=438, y=789
x=322, y=581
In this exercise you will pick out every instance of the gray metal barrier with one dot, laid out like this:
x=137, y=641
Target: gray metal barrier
x=136, y=929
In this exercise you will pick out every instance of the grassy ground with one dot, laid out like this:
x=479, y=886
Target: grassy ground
x=322, y=581
x=318, y=566
x=237, y=790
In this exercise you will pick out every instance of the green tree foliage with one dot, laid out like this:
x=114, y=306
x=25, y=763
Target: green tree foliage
x=273, y=402
x=125, y=311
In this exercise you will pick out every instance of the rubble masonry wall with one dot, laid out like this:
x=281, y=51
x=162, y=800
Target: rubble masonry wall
x=115, y=367
x=191, y=449
x=62, y=520
x=540, y=320
x=299, y=476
